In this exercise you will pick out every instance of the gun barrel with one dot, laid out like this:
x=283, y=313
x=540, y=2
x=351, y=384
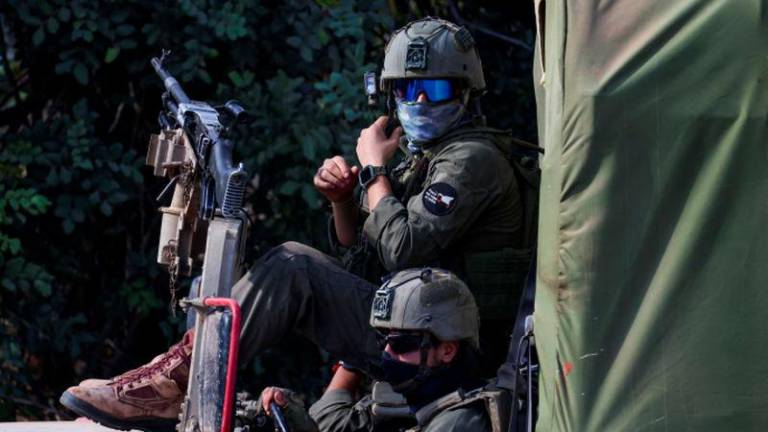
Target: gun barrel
x=173, y=86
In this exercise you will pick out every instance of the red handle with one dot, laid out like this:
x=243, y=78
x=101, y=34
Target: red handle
x=234, y=343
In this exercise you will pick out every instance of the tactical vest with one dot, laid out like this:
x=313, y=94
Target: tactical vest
x=497, y=277
x=496, y=403
x=387, y=404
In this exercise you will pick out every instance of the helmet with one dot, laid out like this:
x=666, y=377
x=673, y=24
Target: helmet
x=427, y=299
x=433, y=48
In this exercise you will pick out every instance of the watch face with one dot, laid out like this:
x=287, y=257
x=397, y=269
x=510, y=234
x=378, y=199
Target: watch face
x=369, y=172
x=366, y=175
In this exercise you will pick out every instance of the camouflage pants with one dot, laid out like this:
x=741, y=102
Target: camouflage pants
x=294, y=287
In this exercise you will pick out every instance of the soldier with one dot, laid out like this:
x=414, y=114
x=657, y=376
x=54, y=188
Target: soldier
x=428, y=322
x=453, y=202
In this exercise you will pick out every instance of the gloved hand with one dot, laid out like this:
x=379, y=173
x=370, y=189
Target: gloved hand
x=293, y=408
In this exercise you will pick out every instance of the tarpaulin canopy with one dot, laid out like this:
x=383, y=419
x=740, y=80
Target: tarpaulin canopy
x=652, y=296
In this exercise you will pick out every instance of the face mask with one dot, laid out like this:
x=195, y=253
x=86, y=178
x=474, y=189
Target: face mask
x=423, y=121
x=436, y=382
x=432, y=384
x=396, y=372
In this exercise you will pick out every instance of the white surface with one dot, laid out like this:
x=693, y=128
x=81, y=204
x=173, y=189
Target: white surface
x=61, y=426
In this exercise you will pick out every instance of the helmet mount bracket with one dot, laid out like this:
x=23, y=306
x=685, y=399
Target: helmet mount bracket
x=417, y=55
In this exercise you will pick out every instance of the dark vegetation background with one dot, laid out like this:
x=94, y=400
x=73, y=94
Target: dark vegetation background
x=80, y=293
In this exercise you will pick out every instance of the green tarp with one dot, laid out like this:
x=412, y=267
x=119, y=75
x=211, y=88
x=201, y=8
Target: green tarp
x=652, y=296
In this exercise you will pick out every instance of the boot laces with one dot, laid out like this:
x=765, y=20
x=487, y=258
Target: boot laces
x=137, y=375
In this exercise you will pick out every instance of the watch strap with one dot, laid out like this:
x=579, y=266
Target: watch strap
x=369, y=173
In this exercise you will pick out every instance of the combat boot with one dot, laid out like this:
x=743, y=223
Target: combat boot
x=147, y=398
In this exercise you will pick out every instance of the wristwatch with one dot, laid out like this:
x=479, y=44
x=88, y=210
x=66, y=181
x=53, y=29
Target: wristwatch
x=369, y=173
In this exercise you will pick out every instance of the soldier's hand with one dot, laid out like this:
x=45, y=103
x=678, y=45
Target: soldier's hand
x=293, y=408
x=373, y=145
x=272, y=394
x=335, y=179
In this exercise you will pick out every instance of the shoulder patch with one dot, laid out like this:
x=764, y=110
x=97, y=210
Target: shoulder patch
x=439, y=198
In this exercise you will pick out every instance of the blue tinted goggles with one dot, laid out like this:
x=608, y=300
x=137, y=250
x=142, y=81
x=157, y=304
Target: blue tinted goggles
x=436, y=90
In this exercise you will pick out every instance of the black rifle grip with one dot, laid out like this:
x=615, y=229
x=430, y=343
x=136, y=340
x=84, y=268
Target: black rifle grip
x=392, y=124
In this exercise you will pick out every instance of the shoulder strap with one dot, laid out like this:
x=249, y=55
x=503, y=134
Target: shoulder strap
x=496, y=403
x=523, y=157
x=426, y=413
x=510, y=144
x=457, y=399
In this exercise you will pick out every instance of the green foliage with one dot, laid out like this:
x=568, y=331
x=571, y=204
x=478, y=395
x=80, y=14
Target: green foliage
x=80, y=293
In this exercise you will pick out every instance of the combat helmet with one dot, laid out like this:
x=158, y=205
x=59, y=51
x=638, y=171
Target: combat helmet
x=427, y=299
x=433, y=48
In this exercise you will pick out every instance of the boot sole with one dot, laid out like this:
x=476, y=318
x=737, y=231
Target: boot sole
x=87, y=410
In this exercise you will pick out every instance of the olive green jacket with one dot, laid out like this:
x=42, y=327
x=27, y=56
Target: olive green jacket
x=470, y=418
x=336, y=411
x=468, y=201
x=466, y=216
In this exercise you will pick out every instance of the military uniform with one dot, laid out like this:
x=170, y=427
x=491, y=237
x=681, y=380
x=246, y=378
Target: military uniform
x=467, y=205
x=336, y=411
x=436, y=302
x=456, y=206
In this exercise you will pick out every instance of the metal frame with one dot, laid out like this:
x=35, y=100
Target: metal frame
x=221, y=268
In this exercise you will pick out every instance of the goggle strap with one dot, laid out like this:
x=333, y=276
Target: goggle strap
x=424, y=370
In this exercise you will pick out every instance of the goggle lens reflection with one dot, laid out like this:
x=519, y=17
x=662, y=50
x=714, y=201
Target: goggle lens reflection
x=436, y=90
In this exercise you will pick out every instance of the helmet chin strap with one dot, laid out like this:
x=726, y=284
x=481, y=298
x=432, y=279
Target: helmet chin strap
x=478, y=118
x=424, y=370
x=390, y=104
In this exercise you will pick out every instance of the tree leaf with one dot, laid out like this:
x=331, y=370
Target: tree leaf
x=310, y=196
x=306, y=53
x=38, y=37
x=118, y=197
x=106, y=208
x=289, y=187
x=64, y=67
x=64, y=14
x=308, y=147
x=43, y=287
x=81, y=73
x=77, y=215
x=111, y=54
x=8, y=284
x=234, y=76
x=52, y=24
x=39, y=204
x=124, y=30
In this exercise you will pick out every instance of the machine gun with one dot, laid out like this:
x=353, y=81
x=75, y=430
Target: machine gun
x=204, y=226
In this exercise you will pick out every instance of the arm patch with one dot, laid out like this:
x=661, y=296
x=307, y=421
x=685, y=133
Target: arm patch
x=440, y=198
